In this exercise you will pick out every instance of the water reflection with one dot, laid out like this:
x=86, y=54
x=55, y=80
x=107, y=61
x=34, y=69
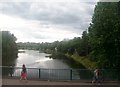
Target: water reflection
x=34, y=59
x=40, y=66
x=43, y=60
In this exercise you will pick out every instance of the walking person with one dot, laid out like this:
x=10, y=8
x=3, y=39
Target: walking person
x=23, y=73
x=96, y=77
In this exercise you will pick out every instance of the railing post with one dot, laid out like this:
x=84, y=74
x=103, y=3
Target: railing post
x=39, y=74
x=11, y=70
x=70, y=74
x=118, y=70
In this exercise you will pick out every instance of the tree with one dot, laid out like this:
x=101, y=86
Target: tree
x=9, y=48
x=104, y=35
x=84, y=45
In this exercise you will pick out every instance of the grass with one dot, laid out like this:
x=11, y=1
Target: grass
x=83, y=60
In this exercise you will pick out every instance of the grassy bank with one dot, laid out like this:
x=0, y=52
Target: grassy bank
x=69, y=61
x=82, y=60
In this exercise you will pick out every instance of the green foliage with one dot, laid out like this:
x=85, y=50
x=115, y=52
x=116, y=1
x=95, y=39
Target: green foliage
x=83, y=60
x=9, y=48
x=99, y=47
x=104, y=35
x=28, y=45
x=84, y=47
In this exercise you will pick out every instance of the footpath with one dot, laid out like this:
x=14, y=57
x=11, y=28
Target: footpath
x=60, y=83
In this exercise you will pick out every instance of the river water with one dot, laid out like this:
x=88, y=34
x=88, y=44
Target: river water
x=40, y=66
x=35, y=59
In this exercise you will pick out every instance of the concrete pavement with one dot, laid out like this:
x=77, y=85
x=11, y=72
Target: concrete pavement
x=39, y=82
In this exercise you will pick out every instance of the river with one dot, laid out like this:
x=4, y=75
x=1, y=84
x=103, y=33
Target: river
x=40, y=66
x=35, y=59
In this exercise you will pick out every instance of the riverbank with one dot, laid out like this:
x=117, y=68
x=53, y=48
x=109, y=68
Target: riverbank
x=76, y=60
x=82, y=60
x=67, y=59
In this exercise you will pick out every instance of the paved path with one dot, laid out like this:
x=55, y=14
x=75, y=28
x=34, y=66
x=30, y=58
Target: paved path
x=39, y=82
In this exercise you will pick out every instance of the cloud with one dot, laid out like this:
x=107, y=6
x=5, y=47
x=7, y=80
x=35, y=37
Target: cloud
x=68, y=16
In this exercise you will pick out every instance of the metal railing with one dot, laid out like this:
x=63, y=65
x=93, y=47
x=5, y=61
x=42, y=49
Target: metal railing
x=61, y=74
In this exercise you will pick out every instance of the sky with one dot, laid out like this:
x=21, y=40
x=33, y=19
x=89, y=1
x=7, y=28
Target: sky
x=46, y=20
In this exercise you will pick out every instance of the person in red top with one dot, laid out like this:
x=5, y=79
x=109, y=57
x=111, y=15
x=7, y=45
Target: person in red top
x=23, y=73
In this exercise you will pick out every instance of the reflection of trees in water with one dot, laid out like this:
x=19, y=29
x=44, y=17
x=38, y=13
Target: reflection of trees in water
x=79, y=71
x=85, y=74
x=69, y=61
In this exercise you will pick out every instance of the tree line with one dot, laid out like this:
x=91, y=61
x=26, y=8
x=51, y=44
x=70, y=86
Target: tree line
x=101, y=43
x=104, y=35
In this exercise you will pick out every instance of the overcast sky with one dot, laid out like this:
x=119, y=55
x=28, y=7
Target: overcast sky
x=46, y=20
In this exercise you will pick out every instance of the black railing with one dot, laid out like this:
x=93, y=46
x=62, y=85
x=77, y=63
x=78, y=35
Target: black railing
x=60, y=74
